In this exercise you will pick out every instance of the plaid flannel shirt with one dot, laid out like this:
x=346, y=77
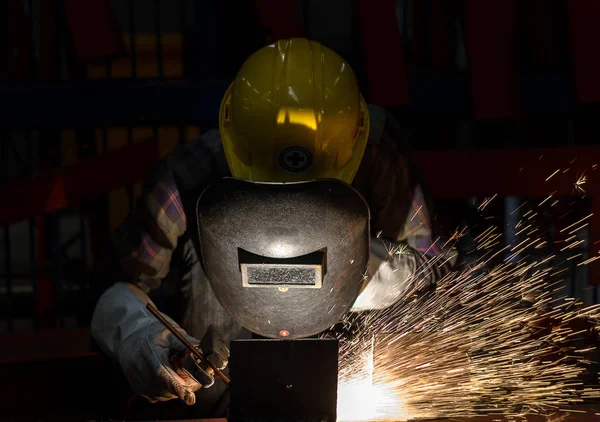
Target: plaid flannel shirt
x=146, y=240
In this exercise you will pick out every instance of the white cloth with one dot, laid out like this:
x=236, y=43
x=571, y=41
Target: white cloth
x=129, y=333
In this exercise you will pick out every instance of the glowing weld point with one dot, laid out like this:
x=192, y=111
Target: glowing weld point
x=284, y=333
x=473, y=348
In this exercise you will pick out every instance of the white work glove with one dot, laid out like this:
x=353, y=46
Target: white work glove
x=395, y=271
x=144, y=348
x=388, y=276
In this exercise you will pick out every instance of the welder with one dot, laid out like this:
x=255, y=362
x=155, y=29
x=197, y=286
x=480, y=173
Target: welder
x=294, y=113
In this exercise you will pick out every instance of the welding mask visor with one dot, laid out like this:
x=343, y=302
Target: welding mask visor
x=286, y=260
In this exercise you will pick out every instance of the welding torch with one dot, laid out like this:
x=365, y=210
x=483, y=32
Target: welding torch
x=193, y=350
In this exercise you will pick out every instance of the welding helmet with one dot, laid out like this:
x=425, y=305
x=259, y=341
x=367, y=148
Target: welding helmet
x=285, y=260
x=294, y=112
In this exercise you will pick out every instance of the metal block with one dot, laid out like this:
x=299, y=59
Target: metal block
x=283, y=380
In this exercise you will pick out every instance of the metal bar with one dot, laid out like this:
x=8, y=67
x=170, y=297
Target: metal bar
x=17, y=155
x=83, y=249
x=54, y=158
x=34, y=270
x=129, y=188
x=6, y=62
x=7, y=253
x=17, y=276
x=32, y=242
x=133, y=52
x=161, y=296
x=108, y=65
x=104, y=140
x=186, y=343
x=59, y=37
x=8, y=278
x=132, y=38
x=70, y=242
x=3, y=160
x=205, y=33
x=182, y=19
x=181, y=134
x=32, y=61
x=159, y=51
x=57, y=273
x=182, y=37
x=54, y=287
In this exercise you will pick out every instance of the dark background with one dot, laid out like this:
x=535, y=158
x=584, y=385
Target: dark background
x=94, y=92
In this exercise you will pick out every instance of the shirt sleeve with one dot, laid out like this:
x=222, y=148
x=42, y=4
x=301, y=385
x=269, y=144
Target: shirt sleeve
x=145, y=241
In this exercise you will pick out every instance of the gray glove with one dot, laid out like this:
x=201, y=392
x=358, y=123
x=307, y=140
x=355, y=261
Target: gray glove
x=148, y=353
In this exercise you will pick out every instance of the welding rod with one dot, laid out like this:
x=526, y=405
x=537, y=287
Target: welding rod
x=186, y=343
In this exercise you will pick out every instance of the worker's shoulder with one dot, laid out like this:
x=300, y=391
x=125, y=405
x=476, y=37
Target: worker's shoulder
x=379, y=120
x=388, y=139
x=196, y=160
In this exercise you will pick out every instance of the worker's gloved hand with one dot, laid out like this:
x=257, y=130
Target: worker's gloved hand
x=151, y=361
x=148, y=353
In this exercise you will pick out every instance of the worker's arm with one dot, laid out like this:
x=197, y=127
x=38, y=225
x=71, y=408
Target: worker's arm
x=147, y=239
x=126, y=331
x=145, y=244
x=406, y=254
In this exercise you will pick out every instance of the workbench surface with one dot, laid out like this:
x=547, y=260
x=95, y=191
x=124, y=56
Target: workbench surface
x=578, y=415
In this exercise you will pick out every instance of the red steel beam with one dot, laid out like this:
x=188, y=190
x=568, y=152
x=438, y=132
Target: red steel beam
x=383, y=53
x=584, y=32
x=94, y=30
x=456, y=174
x=449, y=174
x=491, y=45
x=56, y=189
x=518, y=172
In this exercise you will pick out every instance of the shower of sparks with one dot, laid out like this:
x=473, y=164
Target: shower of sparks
x=545, y=200
x=549, y=177
x=493, y=338
x=579, y=183
x=416, y=213
x=486, y=202
x=576, y=223
x=481, y=344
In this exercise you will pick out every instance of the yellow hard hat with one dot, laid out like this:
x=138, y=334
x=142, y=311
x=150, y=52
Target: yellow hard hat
x=294, y=113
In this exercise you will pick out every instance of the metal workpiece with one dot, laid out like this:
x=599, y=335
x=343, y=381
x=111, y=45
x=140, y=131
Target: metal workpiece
x=215, y=351
x=283, y=380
